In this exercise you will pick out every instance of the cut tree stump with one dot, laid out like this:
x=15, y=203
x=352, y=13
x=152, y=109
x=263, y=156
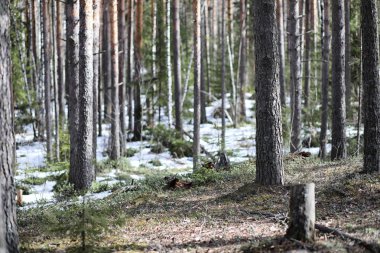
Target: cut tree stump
x=302, y=213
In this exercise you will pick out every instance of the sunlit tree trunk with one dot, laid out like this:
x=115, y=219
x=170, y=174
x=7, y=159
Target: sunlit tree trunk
x=177, y=66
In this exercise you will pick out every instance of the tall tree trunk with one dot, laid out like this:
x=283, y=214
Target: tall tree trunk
x=197, y=81
x=281, y=47
x=152, y=90
x=371, y=85
x=223, y=137
x=60, y=70
x=347, y=73
x=169, y=66
x=106, y=64
x=8, y=226
x=96, y=47
x=325, y=76
x=137, y=131
x=129, y=64
x=243, y=60
x=72, y=78
x=269, y=164
x=338, y=150
x=122, y=71
x=177, y=66
x=295, y=75
x=203, y=64
x=306, y=77
x=85, y=172
x=47, y=79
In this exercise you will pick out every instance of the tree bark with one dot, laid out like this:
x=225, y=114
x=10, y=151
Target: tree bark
x=295, y=75
x=203, y=64
x=302, y=213
x=9, y=239
x=223, y=137
x=338, y=78
x=281, y=48
x=129, y=64
x=325, y=77
x=177, y=66
x=106, y=62
x=306, y=77
x=269, y=164
x=96, y=47
x=60, y=70
x=197, y=81
x=347, y=59
x=371, y=85
x=169, y=66
x=243, y=60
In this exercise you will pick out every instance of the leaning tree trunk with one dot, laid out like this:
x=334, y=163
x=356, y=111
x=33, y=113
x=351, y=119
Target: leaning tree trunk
x=8, y=226
x=197, y=81
x=338, y=150
x=302, y=213
x=115, y=115
x=371, y=85
x=47, y=78
x=325, y=77
x=295, y=75
x=85, y=172
x=269, y=162
x=177, y=66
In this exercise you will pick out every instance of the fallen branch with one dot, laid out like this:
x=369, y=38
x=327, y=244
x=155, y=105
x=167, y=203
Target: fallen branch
x=372, y=247
x=202, y=148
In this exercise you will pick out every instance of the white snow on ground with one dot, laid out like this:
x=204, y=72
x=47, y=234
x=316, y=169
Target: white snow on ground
x=240, y=146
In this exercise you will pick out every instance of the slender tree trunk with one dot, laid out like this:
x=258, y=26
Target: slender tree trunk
x=106, y=64
x=152, y=90
x=269, y=164
x=129, y=64
x=138, y=67
x=306, y=77
x=60, y=70
x=85, y=172
x=281, y=47
x=122, y=71
x=243, y=60
x=72, y=78
x=338, y=78
x=197, y=81
x=295, y=78
x=177, y=66
x=9, y=239
x=347, y=59
x=47, y=78
x=203, y=64
x=169, y=66
x=325, y=76
x=223, y=137
x=96, y=47
x=371, y=85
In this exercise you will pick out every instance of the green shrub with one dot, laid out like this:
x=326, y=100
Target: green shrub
x=157, y=149
x=204, y=176
x=129, y=152
x=180, y=148
x=99, y=187
x=155, y=162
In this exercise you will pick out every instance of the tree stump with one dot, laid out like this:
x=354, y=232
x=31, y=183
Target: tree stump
x=302, y=213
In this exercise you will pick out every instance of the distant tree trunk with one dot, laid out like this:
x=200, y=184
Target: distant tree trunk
x=281, y=48
x=242, y=60
x=9, y=239
x=48, y=78
x=325, y=76
x=60, y=70
x=152, y=90
x=72, y=78
x=347, y=59
x=230, y=26
x=122, y=83
x=371, y=85
x=306, y=77
x=85, y=172
x=106, y=64
x=129, y=64
x=197, y=81
x=295, y=78
x=138, y=67
x=203, y=63
x=223, y=137
x=338, y=150
x=169, y=66
x=177, y=66
x=269, y=164
x=96, y=47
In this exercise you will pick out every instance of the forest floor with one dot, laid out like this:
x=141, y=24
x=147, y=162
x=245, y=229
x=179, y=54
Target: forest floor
x=220, y=212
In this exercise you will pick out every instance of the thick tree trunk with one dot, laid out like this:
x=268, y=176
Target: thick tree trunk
x=115, y=113
x=269, y=164
x=295, y=75
x=197, y=81
x=47, y=78
x=8, y=226
x=96, y=47
x=302, y=213
x=281, y=48
x=325, y=76
x=338, y=78
x=85, y=172
x=371, y=85
x=137, y=131
x=72, y=78
x=177, y=66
